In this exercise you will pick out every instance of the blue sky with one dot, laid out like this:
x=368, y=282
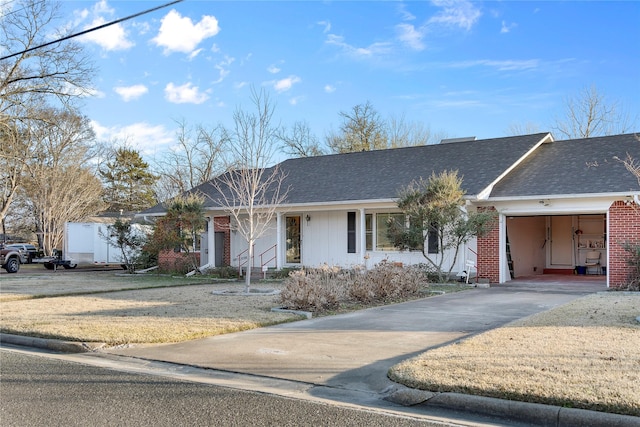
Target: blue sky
x=462, y=68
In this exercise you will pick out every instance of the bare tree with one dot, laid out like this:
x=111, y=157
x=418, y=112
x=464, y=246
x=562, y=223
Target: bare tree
x=299, y=141
x=57, y=184
x=13, y=151
x=632, y=164
x=362, y=129
x=251, y=191
x=196, y=159
x=527, y=128
x=59, y=72
x=589, y=114
x=402, y=133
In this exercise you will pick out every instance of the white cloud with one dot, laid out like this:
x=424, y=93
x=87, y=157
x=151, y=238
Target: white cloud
x=410, y=36
x=185, y=94
x=286, y=83
x=502, y=65
x=113, y=37
x=295, y=100
x=358, y=52
x=457, y=13
x=273, y=69
x=142, y=136
x=128, y=93
x=507, y=27
x=326, y=25
x=194, y=53
x=329, y=88
x=223, y=68
x=406, y=15
x=109, y=38
x=180, y=34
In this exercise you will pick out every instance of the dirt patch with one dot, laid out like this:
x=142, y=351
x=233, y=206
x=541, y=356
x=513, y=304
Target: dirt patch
x=583, y=354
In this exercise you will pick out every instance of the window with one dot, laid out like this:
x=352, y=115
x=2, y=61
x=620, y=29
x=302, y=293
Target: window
x=433, y=246
x=368, y=219
x=383, y=242
x=351, y=232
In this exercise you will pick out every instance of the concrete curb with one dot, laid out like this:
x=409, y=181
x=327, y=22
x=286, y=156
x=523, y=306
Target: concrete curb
x=50, y=344
x=535, y=413
x=547, y=415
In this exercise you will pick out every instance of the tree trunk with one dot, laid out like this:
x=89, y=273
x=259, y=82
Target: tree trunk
x=247, y=278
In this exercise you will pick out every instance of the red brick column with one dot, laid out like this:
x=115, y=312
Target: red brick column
x=624, y=226
x=489, y=253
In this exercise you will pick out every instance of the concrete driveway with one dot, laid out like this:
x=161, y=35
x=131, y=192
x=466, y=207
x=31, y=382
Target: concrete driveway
x=354, y=351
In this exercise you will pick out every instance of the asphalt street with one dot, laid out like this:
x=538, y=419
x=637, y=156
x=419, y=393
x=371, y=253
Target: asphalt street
x=41, y=391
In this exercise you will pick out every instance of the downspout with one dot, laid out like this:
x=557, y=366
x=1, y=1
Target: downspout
x=636, y=199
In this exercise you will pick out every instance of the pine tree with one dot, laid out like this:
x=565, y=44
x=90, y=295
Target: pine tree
x=128, y=181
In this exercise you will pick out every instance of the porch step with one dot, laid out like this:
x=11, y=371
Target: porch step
x=257, y=274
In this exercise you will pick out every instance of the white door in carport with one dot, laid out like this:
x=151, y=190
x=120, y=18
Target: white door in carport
x=561, y=250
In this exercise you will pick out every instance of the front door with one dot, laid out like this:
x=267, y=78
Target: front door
x=293, y=239
x=219, y=240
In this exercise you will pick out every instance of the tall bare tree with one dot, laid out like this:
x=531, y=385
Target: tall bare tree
x=362, y=129
x=589, y=114
x=58, y=183
x=403, y=133
x=195, y=159
x=251, y=190
x=299, y=141
x=58, y=73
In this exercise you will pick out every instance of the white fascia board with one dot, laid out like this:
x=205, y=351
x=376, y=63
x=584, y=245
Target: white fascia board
x=571, y=204
x=329, y=206
x=484, y=194
x=610, y=196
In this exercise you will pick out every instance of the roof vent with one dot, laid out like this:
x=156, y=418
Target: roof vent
x=465, y=139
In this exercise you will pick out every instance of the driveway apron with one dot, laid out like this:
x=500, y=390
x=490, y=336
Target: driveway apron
x=354, y=351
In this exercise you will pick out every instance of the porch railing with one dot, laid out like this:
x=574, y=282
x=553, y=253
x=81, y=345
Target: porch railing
x=241, y=263
x=273, y=248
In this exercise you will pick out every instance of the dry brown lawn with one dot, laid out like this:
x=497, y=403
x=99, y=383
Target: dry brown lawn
x=152, y=313
x=585, y=354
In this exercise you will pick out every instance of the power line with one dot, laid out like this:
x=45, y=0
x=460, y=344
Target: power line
x=99, y=27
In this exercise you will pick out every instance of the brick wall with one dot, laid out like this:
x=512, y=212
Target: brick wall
x=624, y=226
x=489, y=253
x=177, y=261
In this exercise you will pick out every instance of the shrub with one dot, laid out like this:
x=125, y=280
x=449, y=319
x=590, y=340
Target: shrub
x=326, y=287
x=633, y=260
x=386, y=282
x=315, y=289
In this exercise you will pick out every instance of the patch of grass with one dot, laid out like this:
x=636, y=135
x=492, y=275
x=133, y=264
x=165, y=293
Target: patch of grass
x=583, y=354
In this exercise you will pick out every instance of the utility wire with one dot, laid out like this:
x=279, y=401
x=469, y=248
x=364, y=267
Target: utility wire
x=91, y=29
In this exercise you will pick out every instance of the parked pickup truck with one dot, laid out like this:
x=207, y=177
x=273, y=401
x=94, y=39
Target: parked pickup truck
x=10, y=258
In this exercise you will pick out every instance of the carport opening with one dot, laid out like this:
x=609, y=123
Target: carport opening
x=556, y=244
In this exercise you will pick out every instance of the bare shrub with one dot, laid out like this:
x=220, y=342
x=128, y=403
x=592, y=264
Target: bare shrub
x=326, y=287
x=386, y=282
x=632, y=259
x=315, y=289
